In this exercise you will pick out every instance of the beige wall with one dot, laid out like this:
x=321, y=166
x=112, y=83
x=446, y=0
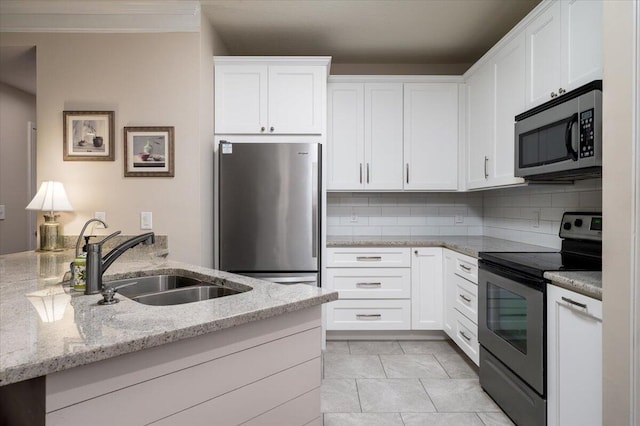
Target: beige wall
x=17, y=108
x=399, y=69
x=618, y=210
x=148, y=80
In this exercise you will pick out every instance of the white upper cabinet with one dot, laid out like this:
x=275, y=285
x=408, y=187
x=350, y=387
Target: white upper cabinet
x=508, y=67
x=269, y=96
x=345, y=135
x=431, y=136
x=480, y=125
x=383, y=136
x=564, y=49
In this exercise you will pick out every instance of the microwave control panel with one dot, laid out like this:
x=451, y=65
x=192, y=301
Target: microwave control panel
x=587, y=128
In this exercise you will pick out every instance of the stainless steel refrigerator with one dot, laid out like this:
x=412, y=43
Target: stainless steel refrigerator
x=269, y=210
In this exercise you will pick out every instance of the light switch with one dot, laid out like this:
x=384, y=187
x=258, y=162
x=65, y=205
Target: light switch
x=103, y=217
x=146, y=220
x=2, y=214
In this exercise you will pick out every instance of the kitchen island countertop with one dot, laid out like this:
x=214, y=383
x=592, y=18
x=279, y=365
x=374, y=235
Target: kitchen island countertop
x=46, y=327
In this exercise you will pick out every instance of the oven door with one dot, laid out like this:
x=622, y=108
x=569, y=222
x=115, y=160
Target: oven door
x=511, y=321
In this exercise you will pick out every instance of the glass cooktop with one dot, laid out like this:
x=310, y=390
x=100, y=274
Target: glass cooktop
x=537, y=263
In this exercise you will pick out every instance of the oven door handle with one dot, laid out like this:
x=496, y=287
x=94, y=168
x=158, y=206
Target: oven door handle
x=568, y=138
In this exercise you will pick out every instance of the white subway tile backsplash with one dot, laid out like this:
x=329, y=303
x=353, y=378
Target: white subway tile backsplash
x=508, y=213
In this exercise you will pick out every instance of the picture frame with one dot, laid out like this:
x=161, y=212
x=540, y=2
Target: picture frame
x=88, y=135
x=149, y=152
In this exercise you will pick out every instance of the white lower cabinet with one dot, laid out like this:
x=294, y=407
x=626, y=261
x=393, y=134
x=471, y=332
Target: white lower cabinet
x=461, y=301
x=574, y=358
x=374, y=286
x=426, y=289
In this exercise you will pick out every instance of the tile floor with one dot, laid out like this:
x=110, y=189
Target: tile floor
x=380, y=383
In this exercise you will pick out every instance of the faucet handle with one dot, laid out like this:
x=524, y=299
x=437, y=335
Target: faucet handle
x=108, y=294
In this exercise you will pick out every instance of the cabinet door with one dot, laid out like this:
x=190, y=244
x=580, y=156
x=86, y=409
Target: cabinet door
x=480, y=125
x=544, y=56
x=509, y=66
x=295, y=99
x=581, y=42
x=449, y=314
x=574, y=358
x=431, y=136
x=383, y=136
x=426, y=289
x=241, y=99
x=345, y=136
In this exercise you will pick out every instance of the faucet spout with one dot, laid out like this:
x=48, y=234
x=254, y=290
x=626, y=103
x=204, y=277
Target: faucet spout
x=97, y=265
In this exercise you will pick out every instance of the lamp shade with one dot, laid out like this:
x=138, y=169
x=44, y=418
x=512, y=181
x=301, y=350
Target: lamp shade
x=51, y=197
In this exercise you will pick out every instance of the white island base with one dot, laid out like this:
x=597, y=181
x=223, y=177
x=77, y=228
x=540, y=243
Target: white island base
x=262, y=372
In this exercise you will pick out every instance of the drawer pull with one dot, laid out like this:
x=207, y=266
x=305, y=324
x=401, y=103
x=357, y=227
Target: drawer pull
x=465, y=267
x=467, y=338
x=369, y=258
x=368, y=284
x=368, y=316
x=465, y=298
x=573, y=302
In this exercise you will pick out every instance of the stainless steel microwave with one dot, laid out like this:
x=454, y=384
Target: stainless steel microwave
x=561, y=139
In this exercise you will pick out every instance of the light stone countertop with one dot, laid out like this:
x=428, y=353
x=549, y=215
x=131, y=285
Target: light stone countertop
x=471, y=245
x=84, y=332
x=588, y=283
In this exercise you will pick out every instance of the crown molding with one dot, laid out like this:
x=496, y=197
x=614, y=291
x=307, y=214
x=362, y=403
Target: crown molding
x=73, y=16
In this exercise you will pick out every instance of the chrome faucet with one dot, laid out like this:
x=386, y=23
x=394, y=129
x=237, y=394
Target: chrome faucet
x=82, y=233
x=97, y=265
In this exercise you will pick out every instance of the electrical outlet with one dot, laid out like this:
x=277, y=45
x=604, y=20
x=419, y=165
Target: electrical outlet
x=146, y=220
x=459, y=218
x=2, y=212
x=354, y=217
x=103, y=217
x=536, y=218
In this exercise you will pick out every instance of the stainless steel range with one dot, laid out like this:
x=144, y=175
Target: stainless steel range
x=512, y=315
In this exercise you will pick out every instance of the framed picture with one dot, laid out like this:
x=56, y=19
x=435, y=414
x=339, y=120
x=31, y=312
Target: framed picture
x=148, y=151
x=88, y=135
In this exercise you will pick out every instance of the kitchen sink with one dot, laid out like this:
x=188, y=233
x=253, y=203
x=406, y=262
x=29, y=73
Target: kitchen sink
x=164, y=290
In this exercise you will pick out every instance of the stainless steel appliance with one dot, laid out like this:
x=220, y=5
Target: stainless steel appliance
x=561, y=139
x=269, y=221
x=512, y=315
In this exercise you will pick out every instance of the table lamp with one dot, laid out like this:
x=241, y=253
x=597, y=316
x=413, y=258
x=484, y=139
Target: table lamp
x=51, y=197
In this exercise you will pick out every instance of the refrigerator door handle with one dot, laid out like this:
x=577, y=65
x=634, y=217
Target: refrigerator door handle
x=314, y=210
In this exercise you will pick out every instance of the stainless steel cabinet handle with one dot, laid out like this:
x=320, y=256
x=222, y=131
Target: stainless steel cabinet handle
x=561, y=91
x=465, y=298
x=467, y=338
x=573, y=302
x=368, y=284
x=367, y=172
x=486, y=160
x=369, y=258
x=360, y=172
x=407, y=172
x=553, y=94
x=271, y=129
x=466, y=268
x=368, y=316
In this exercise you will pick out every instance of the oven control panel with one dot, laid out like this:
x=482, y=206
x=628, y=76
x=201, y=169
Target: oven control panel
x=581, y=226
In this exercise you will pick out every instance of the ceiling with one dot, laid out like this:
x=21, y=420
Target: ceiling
x=350, y=31
x=366, y=31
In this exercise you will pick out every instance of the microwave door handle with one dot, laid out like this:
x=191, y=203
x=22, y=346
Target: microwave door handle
x=568, y=138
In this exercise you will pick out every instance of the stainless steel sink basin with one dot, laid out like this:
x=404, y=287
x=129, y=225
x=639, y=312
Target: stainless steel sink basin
x=163, y=290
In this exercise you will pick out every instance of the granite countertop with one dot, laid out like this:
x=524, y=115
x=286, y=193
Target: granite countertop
x=588, y=283
x=81, y=332
x=470, y=245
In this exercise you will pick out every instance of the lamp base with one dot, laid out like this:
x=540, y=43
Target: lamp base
x=50, y=234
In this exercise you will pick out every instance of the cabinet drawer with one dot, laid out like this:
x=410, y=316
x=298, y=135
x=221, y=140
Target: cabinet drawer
x=375, y=283
x=466, y=298
x=467, y=267
x=369, y=315
x=382, y=257
x=467, y=337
